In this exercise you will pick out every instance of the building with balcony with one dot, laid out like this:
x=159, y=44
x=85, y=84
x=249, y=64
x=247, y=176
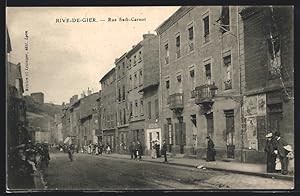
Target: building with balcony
x=121, y=104
x=269, y=75
x=108, y=108
x=200, y=87
x=139, y=57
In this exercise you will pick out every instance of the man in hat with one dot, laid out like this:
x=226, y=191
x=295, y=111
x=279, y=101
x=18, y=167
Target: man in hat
x=211, y=152
x=271, y=156
x=282, y=153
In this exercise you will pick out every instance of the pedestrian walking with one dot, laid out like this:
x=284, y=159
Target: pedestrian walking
x=139, y=150
x=211, y=152
x=271, y=156
x=71, y=151
x=281, y=152
x=132, y=150
x=157, y=148
x=164, y=150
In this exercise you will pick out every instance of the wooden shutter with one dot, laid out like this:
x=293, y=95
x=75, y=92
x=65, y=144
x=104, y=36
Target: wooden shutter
x=172, y=134
x=177, y=134
x=166, y=133
x=183, y=141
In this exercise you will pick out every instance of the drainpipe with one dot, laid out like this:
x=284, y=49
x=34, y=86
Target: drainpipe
x=241, y=89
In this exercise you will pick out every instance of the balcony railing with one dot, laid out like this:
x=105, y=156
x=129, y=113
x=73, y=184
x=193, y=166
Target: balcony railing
x=176, y=101
x=204, y=94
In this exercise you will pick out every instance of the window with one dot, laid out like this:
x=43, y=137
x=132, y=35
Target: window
x=210, y=124
x=123, y=93
x=130, y=110
x=129, y=63
x=140, y=56
x=135, y=80
x=191, y=33
x=192, y=82
x=136, y=108
x=123, y=68
x=142, y=108
x=119, y=94
x=167, y=84
x=134, y=60
x=130, y=82
x=191, y=38
x=124, y=116
x=167, y=54
x=206, y=29
x=141, y=77
x=208, y=73
x=170, y=132
x=120, y=117
x=224, y=19
x=149, y=110
x=156, y=109
x=228, y=72
x=178, y=54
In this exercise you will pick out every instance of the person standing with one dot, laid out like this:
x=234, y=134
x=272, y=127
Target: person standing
x=211, y=152
x=164, y=150
x=132, y=150
x=153, y=150
x=282, y=153
x=290, y=156
x=139, y=150
x=271, y=156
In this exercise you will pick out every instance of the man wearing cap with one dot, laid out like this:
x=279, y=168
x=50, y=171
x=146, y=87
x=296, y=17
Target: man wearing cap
x=279, y=149
x=271, y=156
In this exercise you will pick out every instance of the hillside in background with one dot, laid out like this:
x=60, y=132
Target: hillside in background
x=38, y=108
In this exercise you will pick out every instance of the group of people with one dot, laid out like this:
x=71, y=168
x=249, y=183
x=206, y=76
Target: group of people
x=280, y=155
x=31, y=163
x=136, y=150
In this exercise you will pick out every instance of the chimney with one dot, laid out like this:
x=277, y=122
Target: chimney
x=89, y=91
x=148, y=35
x=75, y=97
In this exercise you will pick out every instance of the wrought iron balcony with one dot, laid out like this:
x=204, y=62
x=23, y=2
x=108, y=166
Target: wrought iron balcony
x=204, y=94
x=176, y=101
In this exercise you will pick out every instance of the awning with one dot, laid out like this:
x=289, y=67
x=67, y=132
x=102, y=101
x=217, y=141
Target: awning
x=66, y=140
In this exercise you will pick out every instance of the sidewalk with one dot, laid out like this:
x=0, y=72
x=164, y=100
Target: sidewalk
x=233, y=167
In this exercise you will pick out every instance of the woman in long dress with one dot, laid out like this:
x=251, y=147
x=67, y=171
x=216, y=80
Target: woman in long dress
x=153, y=150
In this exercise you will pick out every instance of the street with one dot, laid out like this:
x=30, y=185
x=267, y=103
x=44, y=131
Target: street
x=99, y=172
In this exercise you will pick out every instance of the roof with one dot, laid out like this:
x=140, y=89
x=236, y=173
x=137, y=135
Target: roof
x=107, y=74
x=174, y=18
x=134, y=50
x=120, y=58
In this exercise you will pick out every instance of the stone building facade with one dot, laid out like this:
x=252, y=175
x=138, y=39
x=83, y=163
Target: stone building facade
x=108, y=108
x=269, y=87
x=121, y=104
x=138, y=59
x=200, y=80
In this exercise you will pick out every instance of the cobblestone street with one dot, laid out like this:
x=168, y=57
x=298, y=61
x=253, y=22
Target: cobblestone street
x=91, y=172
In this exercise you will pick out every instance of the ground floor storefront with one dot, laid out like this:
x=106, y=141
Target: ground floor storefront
x=109, y=138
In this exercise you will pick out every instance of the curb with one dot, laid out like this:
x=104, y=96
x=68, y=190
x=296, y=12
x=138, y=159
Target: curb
x=265, y=175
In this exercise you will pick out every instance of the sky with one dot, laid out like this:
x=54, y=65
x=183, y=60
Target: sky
x=65, y=59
